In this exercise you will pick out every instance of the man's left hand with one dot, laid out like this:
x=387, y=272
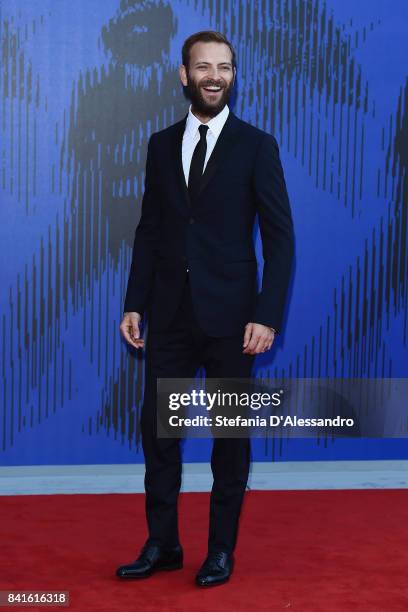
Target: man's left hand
x=257, y=338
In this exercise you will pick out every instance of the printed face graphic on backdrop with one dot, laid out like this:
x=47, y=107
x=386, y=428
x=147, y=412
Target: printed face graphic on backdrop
x=114, y=115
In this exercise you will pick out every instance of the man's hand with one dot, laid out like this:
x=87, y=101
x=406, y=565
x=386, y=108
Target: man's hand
x=130, y=329
x=257, y=338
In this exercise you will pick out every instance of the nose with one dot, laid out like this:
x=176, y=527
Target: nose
x=213, y=72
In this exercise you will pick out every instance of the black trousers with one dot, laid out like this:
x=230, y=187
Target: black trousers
x=178, y=353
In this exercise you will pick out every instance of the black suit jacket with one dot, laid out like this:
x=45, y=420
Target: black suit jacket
x=213, y=235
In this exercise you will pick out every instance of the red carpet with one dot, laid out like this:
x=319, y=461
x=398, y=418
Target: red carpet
x=298, y=550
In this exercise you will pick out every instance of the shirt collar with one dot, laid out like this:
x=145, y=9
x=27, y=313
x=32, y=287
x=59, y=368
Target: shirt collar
x=215, y=124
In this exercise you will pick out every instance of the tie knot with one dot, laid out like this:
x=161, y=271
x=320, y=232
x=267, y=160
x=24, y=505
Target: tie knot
x=203, y=130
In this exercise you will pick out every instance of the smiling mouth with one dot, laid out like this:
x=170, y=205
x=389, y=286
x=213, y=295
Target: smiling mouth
x=212, y=89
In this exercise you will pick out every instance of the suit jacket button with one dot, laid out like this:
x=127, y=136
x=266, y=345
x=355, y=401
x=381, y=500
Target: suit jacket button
x=191, y=220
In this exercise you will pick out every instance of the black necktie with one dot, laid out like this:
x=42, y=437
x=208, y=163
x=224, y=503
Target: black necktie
x=197, y=162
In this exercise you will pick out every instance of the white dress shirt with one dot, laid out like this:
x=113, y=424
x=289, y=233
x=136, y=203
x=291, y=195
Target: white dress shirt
x=191, y=137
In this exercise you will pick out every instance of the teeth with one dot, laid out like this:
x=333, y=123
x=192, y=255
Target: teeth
x=213, y=88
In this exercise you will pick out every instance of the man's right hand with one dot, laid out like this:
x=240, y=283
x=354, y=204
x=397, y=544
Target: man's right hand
x=130, y=329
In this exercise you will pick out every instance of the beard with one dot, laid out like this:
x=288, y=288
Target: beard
x=207, y=107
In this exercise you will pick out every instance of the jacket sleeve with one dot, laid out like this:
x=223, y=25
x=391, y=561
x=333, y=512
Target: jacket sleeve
x=276, y=228
x=145, y=243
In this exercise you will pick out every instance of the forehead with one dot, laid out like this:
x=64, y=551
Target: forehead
x=213, y=52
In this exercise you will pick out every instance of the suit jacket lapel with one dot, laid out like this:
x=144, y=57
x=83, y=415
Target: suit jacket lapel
x=225, y=141
x=177, y=158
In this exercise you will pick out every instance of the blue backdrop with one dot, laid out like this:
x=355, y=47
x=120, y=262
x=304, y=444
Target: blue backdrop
x=83, y=83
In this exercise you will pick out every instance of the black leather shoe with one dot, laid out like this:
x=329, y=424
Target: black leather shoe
x=151, y=559
x=216, y=569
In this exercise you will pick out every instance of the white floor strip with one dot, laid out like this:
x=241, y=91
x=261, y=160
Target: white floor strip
x=292, y=475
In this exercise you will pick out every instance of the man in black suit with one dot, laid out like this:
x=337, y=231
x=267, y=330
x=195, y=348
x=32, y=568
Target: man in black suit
x=194, y=273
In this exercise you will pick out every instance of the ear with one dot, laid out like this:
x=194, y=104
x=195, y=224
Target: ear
x=183, y=74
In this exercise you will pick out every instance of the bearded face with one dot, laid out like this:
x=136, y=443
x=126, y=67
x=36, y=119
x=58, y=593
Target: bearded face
x=209, y=95
x=209, y=77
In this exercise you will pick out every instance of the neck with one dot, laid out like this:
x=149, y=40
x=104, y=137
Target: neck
x=203, y=118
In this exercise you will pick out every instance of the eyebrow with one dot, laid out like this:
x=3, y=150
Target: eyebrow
x=208, y=63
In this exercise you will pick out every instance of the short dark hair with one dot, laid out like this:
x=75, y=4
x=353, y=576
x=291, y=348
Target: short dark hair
x=205, y=36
